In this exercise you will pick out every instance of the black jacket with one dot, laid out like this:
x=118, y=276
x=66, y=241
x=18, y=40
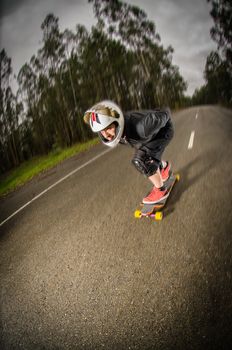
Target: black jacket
x=148, y=130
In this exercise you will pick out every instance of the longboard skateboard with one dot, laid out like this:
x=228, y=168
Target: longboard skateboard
x=155, y=210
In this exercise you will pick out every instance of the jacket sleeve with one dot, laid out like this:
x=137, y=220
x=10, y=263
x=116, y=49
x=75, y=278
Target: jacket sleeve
x=153, y=121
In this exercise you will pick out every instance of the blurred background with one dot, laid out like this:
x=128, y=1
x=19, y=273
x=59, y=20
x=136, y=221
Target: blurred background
x=51, y=72
x=77, y=270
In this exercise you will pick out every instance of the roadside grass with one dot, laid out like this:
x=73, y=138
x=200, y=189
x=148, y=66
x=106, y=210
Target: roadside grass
x=27, y=170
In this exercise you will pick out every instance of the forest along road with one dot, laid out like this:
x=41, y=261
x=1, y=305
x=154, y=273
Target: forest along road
x=78, y=271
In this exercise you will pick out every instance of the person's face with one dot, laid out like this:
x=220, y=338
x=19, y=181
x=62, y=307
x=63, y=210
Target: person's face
x=109, y=132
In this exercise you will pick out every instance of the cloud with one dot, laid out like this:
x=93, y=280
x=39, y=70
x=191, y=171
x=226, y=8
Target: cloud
x=20, y=25
x=183, y=24
x=8, y=7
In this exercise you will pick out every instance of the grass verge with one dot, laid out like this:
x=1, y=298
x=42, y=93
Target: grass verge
x=27, y=170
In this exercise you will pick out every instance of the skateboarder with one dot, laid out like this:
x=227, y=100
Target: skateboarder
x=148, y=131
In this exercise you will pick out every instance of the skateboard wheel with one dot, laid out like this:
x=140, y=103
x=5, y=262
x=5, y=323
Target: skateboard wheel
x=138, y=214
x=177, y=177
x=158, y=215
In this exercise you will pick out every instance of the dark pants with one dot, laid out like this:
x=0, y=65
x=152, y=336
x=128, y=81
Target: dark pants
x=147, y=159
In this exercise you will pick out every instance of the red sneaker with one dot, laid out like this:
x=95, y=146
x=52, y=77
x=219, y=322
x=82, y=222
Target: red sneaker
x=155, y=196
x=166, y=172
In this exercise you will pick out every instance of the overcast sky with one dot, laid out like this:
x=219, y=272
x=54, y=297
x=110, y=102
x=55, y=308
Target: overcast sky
x=183, y=24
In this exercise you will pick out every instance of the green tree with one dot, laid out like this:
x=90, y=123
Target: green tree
x=152, y=64
x=53, y=54
x=9, y=111
x=218, y=68
x=221, y=31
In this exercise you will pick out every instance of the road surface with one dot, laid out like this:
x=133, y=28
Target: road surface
x=78, y=271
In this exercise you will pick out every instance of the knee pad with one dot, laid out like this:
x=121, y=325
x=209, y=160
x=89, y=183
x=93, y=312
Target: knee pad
x=144, y=164
x=139, y=165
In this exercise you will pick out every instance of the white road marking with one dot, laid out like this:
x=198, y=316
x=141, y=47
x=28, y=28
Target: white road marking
x=197, y=115
x=53, y=185
x=190, y=145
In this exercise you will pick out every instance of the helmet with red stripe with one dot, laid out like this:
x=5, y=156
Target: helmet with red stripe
x=101, y=116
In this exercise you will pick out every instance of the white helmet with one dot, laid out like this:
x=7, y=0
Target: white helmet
x=101, y=115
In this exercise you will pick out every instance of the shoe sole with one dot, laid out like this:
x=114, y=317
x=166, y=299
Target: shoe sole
x=158, y=201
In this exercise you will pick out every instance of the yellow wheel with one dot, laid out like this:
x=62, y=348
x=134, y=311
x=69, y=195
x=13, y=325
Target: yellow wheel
x=177, y=177
x=158, y=215
x=138, y=214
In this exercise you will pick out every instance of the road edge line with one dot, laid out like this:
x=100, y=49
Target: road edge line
x=53, y=185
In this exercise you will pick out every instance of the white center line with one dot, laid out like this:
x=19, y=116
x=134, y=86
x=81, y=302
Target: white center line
x=196, y=115
x=190, y=145
x=53, y=185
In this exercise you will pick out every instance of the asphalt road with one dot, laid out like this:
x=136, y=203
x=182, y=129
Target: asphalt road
x=78, y=271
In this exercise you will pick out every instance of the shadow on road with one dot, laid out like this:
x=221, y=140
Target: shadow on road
x=204, y=163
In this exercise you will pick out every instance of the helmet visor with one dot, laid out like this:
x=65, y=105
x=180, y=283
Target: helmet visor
x=109, y=133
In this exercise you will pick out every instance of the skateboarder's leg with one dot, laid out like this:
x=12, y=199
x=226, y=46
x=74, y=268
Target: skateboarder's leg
x=156, y=179
x=150, y=168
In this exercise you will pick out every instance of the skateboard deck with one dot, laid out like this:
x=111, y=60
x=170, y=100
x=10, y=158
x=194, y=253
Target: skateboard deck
x=155, y=210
